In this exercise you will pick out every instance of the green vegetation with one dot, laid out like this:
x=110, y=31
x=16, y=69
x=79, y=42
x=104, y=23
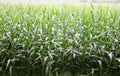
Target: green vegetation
x=59, y=39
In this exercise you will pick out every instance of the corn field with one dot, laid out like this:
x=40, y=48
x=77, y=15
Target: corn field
x=58, y=39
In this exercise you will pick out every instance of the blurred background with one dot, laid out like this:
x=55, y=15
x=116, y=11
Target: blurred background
x=96, y=1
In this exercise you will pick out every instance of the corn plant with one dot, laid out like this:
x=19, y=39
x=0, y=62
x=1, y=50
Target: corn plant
x=59, y=39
